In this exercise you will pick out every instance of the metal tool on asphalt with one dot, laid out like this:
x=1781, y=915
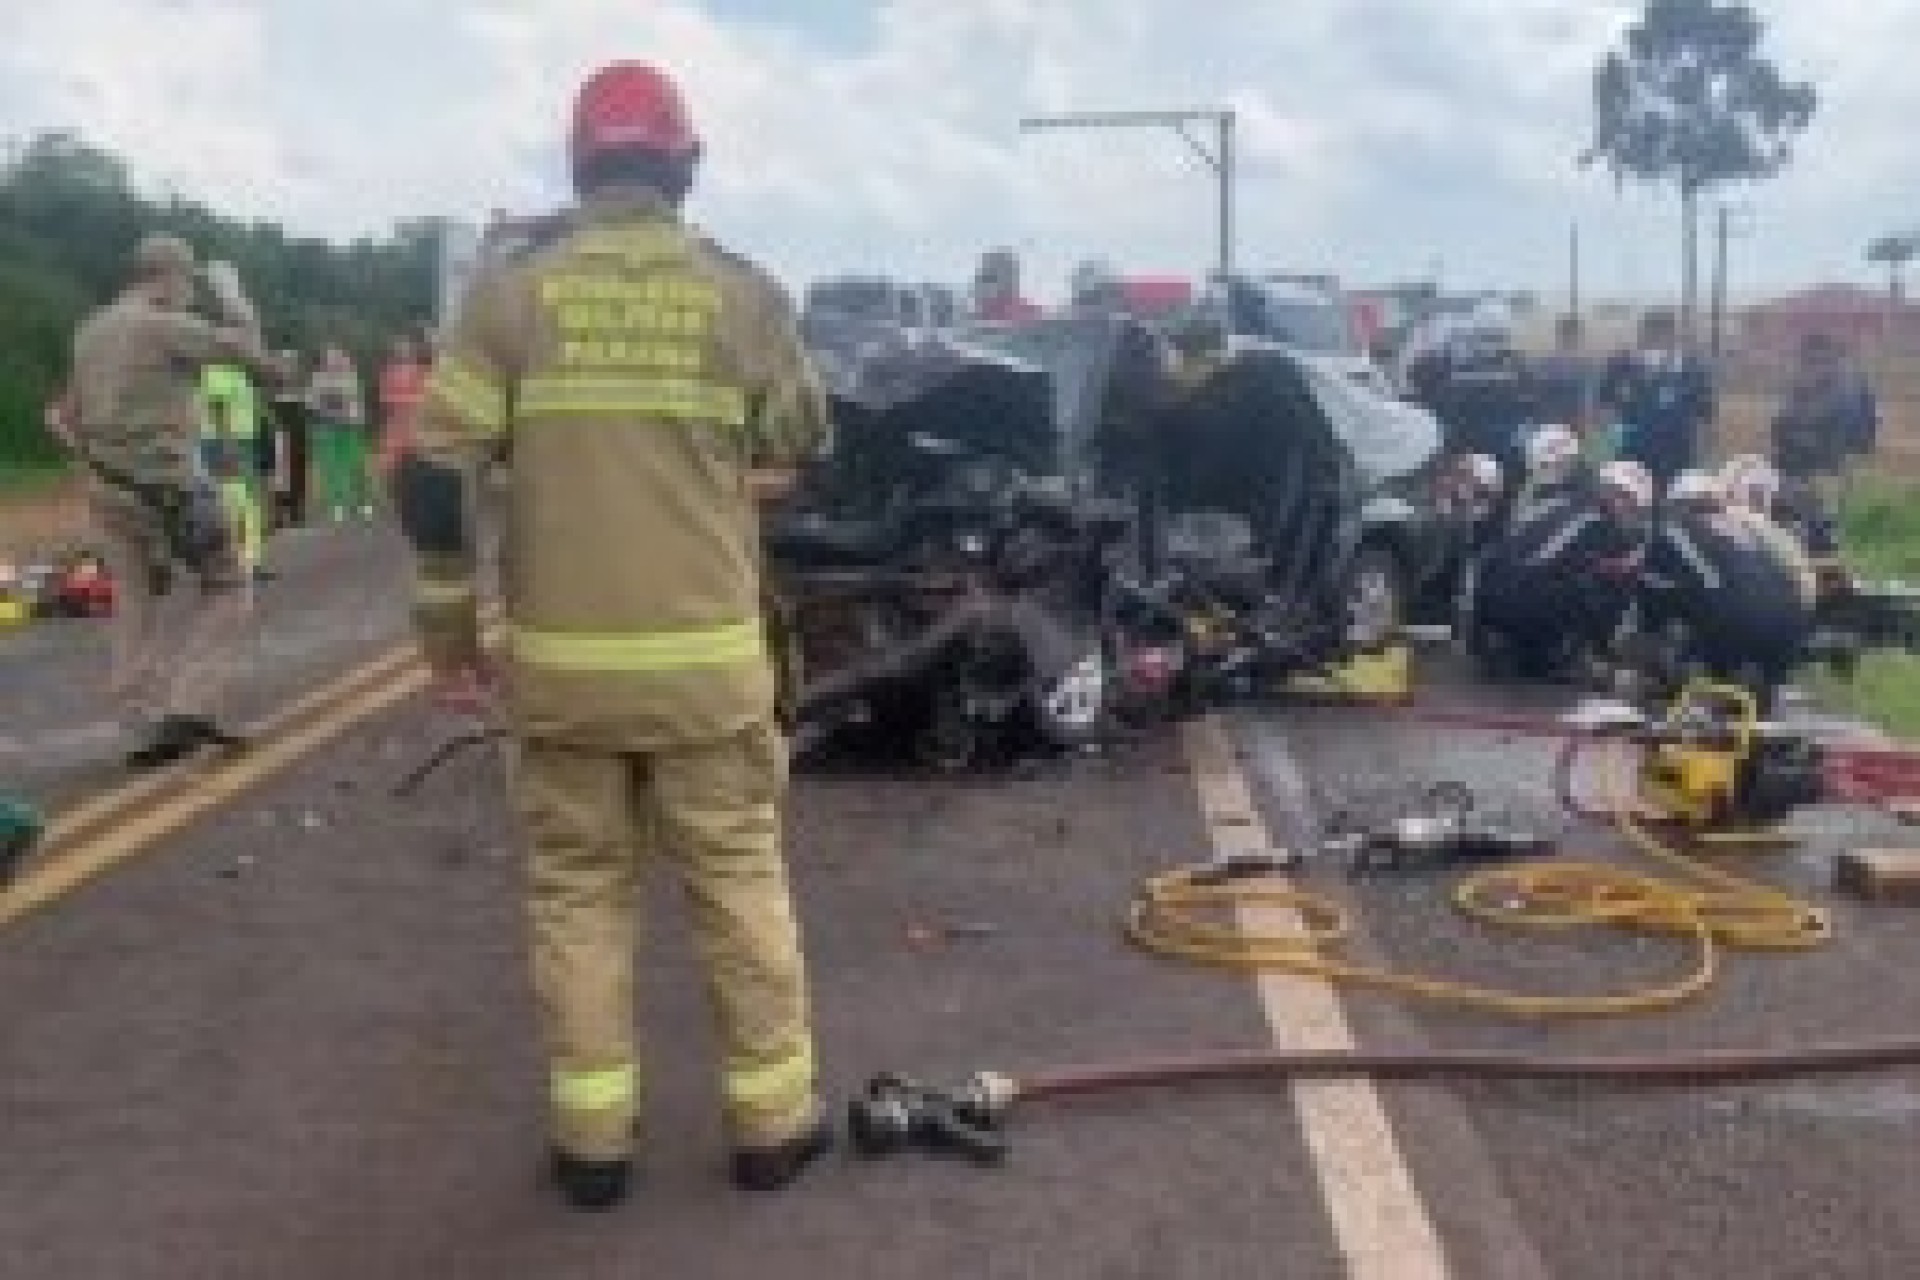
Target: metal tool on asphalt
x=440, y=756
x=20, y=831
x=1442, y=828
x=1880, y=875
x=895, y=1115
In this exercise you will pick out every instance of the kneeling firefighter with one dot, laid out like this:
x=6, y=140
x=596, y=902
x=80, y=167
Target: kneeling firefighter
x=1739, y=594
x=644, y=387
x=132, y=413
x=1554, y=586
x=1751, y=489
x=1555, y=469
x=1470, y=499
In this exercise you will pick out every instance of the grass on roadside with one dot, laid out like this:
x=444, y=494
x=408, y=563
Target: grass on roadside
x=1880, y=529
x=1885, y=691
x=1881, y=533
x=21, y=480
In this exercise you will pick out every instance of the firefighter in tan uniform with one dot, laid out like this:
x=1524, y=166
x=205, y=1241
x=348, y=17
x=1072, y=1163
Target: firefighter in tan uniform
x=644, y=388
x=132, y=413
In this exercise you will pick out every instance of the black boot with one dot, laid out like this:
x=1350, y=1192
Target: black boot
x=591, y=1185
x=771, y=1168
x=175, y=738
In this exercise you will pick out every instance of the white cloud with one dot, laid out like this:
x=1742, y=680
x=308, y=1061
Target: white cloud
x=1376, y=136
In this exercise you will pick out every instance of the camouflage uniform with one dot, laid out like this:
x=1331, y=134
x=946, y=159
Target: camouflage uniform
x=136, y=418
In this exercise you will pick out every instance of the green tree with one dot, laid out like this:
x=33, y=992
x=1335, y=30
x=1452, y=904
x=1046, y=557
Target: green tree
x=1689, y=101
x=70, y=215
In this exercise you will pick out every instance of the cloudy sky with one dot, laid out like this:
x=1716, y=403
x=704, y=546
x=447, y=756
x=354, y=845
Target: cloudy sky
x=1380, y=138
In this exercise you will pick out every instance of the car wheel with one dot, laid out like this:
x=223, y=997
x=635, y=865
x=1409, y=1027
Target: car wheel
x=950, y=738
x=1376, y=599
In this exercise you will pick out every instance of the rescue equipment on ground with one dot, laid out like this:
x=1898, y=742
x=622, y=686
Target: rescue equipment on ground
x=1880, y=875
x=1442, y=828
x=895, y=1114
x=20, y=830
x=413, y=779
x=1705, y=757
x=1708, y=756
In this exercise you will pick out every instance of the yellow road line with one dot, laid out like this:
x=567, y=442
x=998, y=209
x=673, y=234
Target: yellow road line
x=1380, y=1221
x=326, y=715
x=74, y=824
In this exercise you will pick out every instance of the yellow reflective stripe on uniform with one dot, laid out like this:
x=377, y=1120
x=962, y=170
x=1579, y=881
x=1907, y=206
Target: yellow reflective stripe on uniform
x=778, y=1086
x=675, y=399
x=470, y=395
x=640, y=244
x=602, y=1090
x=589, y=652
x=443, y=593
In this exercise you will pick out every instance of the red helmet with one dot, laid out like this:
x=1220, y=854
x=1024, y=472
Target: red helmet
x=630, y=106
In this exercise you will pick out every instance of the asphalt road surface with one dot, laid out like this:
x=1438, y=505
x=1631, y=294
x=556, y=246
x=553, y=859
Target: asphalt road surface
x=293, y=1037
x=340, y=597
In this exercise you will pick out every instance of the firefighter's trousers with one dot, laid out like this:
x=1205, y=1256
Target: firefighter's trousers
x=712, y=811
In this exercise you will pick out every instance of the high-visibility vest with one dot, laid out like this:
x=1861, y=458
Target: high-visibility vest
x=229, y=385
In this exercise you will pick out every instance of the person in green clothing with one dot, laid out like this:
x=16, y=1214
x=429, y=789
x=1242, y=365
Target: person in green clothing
x=230, y=446
x=340, y=437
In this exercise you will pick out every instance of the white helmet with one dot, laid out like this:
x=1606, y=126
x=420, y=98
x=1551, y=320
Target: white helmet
x=1695, y=486
x=1552, y=448
x=1482, y=470
x=1750, y=481
x=1629, y=478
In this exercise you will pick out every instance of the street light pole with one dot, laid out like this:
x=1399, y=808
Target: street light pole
x=1224, y=171
x=1573, y=277
x=1219, y=158
x=1730, y=221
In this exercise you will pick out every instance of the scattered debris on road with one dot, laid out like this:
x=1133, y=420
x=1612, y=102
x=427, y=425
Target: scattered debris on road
x=20, y=829
x=1880, y=875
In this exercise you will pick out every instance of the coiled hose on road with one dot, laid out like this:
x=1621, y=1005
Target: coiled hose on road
x=1192, y=914
x=1182, y=915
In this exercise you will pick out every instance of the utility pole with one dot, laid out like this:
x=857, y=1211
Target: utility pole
x=1219, y=157
x=1725, y=229
x=1721, y=233
x=1573, y=271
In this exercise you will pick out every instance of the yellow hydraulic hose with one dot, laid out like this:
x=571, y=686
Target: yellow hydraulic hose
x=1180, y=914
